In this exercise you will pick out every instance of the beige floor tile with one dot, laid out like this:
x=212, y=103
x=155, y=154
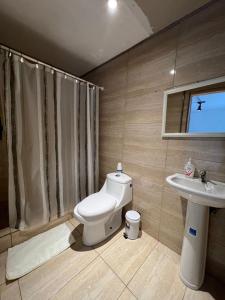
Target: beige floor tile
x=106, y=243
x=3, y=257
x=5, y=242
x=47, y=280
x=127, y=295
x=10, y=291
x=4, y=231
x=97, y=281
x=126, y=256
x=211, y=289
x=158, y=278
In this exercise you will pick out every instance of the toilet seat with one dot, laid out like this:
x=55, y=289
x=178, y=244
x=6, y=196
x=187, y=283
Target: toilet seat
x=96, y=205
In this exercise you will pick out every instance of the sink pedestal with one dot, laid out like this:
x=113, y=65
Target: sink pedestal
x=200, y=197
x=194, y=247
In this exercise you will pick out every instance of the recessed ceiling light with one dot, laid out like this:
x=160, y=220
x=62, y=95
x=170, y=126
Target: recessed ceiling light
x=112, y=4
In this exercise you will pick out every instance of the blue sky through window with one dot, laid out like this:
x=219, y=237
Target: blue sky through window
x=211, y=117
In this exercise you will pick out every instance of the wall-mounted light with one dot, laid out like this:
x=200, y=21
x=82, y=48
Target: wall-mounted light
x=172, y=72
x=112, y=5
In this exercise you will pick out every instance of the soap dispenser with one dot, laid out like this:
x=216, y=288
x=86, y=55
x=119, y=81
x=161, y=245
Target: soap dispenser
x=189, y=169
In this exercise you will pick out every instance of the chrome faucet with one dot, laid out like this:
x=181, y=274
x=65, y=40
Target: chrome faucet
x=202, y=174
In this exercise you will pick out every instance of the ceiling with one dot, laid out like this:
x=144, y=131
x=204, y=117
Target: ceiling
x=79, y=35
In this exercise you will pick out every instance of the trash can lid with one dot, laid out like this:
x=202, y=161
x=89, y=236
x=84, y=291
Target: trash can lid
x=133, y=215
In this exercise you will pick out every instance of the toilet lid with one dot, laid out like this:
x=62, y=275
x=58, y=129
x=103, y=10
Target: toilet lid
x=96, y=205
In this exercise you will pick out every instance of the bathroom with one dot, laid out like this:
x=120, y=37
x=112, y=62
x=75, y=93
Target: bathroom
x=96, y=81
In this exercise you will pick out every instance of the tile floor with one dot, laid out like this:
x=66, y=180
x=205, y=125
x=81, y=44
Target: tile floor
x=116, y=269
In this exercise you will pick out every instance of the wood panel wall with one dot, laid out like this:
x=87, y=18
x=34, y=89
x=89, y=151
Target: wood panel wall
x=131, y=119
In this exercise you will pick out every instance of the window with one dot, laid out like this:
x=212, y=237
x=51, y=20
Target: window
x=207, y=112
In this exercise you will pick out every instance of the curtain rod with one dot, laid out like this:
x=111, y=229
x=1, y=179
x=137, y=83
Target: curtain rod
x=44, y=64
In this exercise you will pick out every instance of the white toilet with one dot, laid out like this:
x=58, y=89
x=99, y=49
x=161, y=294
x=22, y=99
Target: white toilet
x=101, y=213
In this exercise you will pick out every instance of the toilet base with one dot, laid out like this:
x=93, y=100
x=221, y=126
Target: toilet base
x=96, y=233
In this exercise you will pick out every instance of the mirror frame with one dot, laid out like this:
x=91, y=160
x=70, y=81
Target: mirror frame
x=220, y=136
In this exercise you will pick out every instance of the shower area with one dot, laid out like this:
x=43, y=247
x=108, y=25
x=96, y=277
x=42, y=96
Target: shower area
x=49, y=128
x=4, y=215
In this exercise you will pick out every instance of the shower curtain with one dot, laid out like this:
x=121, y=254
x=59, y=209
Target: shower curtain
x=52, y=136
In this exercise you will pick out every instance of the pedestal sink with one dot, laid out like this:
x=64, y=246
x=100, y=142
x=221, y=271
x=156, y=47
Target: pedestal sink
x=200, y=197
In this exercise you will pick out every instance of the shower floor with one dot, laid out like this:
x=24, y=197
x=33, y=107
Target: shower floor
x=115, y=269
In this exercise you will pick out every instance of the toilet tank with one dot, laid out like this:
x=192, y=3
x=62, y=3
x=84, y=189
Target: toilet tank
x=119, y=185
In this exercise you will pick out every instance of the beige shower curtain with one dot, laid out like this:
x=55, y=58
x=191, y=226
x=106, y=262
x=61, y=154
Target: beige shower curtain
x=52, y=133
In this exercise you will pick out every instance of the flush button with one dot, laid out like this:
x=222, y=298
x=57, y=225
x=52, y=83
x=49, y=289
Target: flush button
x=117, y=175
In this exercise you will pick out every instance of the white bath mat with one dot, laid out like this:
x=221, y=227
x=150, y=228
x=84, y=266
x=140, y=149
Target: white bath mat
x=29, y=255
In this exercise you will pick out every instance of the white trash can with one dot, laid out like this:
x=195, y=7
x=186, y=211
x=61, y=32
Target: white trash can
x=132, y=224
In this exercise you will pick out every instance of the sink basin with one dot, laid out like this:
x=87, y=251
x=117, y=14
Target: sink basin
x=200, y=197
x=210, y=194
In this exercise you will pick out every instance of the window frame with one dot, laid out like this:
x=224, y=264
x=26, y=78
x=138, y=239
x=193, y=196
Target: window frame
x=188, y=88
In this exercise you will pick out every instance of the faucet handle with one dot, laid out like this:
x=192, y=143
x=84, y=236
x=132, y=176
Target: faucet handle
x=202, y=172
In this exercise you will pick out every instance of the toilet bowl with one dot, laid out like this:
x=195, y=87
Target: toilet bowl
x=101, y=213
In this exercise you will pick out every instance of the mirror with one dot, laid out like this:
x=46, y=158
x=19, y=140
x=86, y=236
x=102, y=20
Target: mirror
x=195, y=110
